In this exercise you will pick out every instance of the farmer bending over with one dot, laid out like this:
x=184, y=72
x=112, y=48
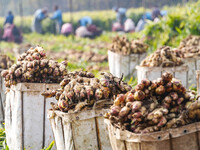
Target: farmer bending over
x=121, y=15
x=39, y=15
x=85, y=21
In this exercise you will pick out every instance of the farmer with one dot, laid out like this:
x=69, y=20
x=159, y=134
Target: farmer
x=129, y=26
x=156, y=14
x=9, y=18
x=57, y=16
x=82, y=31
x=163, y=13
x=142, y=22
x=121, y=15
x=67, y=29
x=39, y=16
x=117, y=27
x=12, y=34
x=85, y=21
x=94, y=30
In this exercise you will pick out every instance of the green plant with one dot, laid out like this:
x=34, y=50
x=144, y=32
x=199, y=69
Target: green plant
x=3, y=144
x=181, y=22
x=50, y=146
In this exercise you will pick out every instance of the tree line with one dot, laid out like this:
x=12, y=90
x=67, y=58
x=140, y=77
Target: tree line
x=28, y=7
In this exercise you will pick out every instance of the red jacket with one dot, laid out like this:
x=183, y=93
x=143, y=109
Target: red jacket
x=12, y=34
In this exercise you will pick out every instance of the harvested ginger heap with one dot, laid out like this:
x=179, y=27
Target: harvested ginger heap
x=163, y=57
x=80, y=90
x=33, y=67
x=155, y=106
x=123, y=46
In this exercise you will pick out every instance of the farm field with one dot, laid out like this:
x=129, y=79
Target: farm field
x=81, y=53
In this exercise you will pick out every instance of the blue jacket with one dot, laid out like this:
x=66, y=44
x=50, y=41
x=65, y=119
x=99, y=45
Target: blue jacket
x=9, y=19
x=163, y=12
x=121, y=15
x=122, y=11
x=147, y=15
x=39, y=16
x=57, y=15
x=85, y=20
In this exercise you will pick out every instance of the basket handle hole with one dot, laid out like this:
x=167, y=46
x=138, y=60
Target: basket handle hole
x=47, y=88
x=185, y=131
x=28, y=87
x=159, y=137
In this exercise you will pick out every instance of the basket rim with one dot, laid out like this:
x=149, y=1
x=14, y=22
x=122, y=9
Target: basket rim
x=181, y=68
x=154, y=136
x=34, y=87
x=120, y=54
x=75, y=116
